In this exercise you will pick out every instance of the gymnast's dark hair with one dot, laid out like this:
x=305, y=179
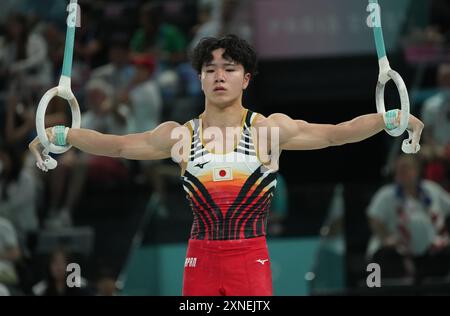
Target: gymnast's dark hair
x=236, y=49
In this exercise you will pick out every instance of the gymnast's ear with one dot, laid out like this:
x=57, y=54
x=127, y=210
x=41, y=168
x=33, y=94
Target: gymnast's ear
x=247, y=78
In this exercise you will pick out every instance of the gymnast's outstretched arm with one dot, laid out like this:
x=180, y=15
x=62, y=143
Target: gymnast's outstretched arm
x=301, y=135
x=151, y=145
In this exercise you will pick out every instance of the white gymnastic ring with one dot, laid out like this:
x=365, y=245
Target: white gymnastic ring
x=404, y=100
x=66, y=94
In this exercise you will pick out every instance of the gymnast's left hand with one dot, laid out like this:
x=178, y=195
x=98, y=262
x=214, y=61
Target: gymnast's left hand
x=37, y=149
x=415, y=128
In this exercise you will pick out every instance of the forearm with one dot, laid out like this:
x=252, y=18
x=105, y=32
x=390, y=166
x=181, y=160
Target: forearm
x=301, y=135
x=150, y=145
x=358, y=129
x=95, y=143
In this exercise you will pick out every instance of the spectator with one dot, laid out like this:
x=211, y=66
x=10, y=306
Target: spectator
x=407, y=219
x=18, y=194
x=143, y=95
x=436, y=117
x=9, y=254
x=4, y=291
x=118, y=72
x=55, y=282
x=217, y=20
x=163, y=40
x=20, y=121
x=25, y=58
x=74, y=170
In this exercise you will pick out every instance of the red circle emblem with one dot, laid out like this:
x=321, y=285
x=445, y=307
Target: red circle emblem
x=222, y=173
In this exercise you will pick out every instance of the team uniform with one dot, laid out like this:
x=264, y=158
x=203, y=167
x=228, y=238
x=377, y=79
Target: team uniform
x=230, y=196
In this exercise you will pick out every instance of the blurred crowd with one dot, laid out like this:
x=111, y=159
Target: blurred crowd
x=408, y=217
x=130, y=71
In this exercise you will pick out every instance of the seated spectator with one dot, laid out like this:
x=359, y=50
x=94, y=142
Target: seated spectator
x=118, y=72
x=55, y=282
x=143, y=95
x=18, y=194
x=219, y=18
x=25, y=55
x=9, y=254
x=407, y=219
x=145, y=101
x=163, y=40
x=74, y=169
x=436, y=135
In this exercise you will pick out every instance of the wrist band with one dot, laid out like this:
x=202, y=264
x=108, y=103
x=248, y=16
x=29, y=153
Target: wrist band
x=391, y=119
x=60, y=134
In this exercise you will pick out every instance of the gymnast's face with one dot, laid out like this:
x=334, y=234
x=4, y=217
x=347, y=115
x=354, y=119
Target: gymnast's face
x=223, y=80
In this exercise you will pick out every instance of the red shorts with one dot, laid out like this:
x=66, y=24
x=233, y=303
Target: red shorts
x=227, y=267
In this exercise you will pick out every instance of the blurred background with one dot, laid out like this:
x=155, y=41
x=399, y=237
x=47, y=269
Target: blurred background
x=126, y=223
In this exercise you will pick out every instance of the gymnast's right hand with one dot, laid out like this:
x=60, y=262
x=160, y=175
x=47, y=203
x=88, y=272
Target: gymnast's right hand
x=43, y=160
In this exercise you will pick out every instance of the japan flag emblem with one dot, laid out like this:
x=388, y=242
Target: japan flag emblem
x=222, y=174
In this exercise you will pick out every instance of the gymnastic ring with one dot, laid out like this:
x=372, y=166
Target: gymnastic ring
x=404, y=100
x=62, y=90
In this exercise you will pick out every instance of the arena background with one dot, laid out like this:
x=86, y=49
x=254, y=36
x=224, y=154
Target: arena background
x=317, y=62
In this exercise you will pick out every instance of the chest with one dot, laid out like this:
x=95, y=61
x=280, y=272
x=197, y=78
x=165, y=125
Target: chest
x=222, y=140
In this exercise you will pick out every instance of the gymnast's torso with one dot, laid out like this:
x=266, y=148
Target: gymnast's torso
x=229, y=192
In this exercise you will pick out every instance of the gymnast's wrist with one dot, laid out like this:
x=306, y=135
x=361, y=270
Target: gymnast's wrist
x=392, y=119
x=60, y=133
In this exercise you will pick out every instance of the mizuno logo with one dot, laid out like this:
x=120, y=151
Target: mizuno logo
x=200, y=165
x=262, y=261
